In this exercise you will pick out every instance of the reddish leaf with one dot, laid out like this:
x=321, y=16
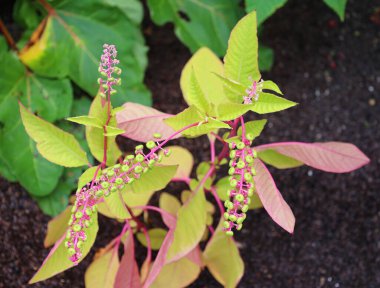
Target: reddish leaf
x=140, y=122
x=337, y=157
x=128, y=273
x=271, y=198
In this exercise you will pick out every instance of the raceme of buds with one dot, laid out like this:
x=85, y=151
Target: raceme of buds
x=111, y=180
x=253, y=91
x=241, y=181
x=109, y=71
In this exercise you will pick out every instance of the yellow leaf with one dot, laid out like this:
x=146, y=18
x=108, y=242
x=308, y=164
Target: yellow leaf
x=57, y=227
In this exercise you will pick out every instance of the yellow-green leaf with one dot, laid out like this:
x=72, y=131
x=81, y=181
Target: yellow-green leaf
x=254, y=127
x=114, y=206
x=113, y=131
x=241, y=60
x=235, y=90
x=87, y=176
x=181, y=157
x=169, y=203
x=204, y=62
x=86, y=120
x=58, y=258
x=54, y=144
x=102, y=271
x=95, y=137
x=223, y=260
x=156, y=236
x=57, y=227
x=278, y=160
x=191, y=222
x=269, y=103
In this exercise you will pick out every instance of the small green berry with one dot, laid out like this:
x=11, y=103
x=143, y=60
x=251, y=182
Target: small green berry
x=232, y=218
x=150, y=144
x=79, y=244
x=240, y=220
x=68, y=234
x=139, y=158
x=71, y=251
x=138, y=169
x=119, y=181
x=253, y=171
x=231, y=145
x=110, y=173
x=73, y=209
x=124, y=168
x=151, y=163
x=240, y=145
x=247, y=176
x=226, y=224
x=244, y=208
x=233, y=154
x=249, y=159
x=230, y=205
x=99, y=193
x=130, y=157
x=157, y=135
x=231, y=171
x=226, y=215
x=250, y=192
x=88, y=211
x=113, y=189
x=231, y=163
x=233, y=183
x=239, y=227
x=139, y=147
x=87, y=223
x=159, y=159
x=239, y=198
x=230, y=233
x=168, y=152
x=105, y=86
x=105, y=185
x=71, y=221
x=77, y=228
x=240, y=164
x=79, y=215
x=113, y=91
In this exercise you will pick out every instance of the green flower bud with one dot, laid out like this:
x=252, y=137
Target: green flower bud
x=77, y=228
x=113, y=189
x=232, y=154
x=131, y=180
x=232, y=218
x=240, y=164
x=68, y=234
x=111, y=79
x=250, y=192
x=151, y=163
x=117, y=166
x=253, y=171
x=124, y=168
x=240, y=145
x=79, y=215
x=231, y=171
x=87, y=223
x=102, y=94
x=247, y=176
x=118, y=82
x=113, y=91
x=131, y=157
x=79, y=244
x=226, y=224
x=226, y=215
x=157, y=135
x=146, y=169
x=71, y=251
x=88, y=211
x=159, y=159
x=105, y=185
x=229, y=204
x=249, y=159
x=94, y=208
x=230, y=233
x=240, y=220
x=138, y=169
x=239, y=197
x=139, y=147
x=100, y=81
x=99, y=193
x=168, y=152
x=231, y=163
x=71, y=221
x=67, y=244
x=139, y=158
x=105, y=86
x=119, y=181
x=244, y=208
x=150, y=144
x=110, y=173
x=233, y=183
x=103, y=73
x=239, y=227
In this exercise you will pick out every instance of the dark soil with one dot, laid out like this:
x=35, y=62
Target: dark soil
x=333, y=70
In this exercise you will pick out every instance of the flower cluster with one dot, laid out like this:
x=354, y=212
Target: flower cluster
x=253, y=91
x=109, y=181
x=242, y=185
x=108, y=70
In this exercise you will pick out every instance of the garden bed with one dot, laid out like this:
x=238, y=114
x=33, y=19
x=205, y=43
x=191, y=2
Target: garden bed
x=332, y=70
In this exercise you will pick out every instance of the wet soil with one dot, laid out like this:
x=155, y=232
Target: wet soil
x=333, y=70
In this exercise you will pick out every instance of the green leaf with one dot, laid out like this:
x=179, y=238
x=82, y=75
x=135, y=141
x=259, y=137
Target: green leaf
x=270, y=85
x=254, y=127
x=86, y=120
x=114, y=206
x=169, y=203
x=204, y=63
x=113, y=131
x=53, y=143
x=57, y=227
x=95, y=136
x=278, y=160
x=102, y=271
x=266, y=58
x=209, y=23
x=53, y=203
x=25, y=13
x=195, y=94
x=156, y=235
x=191, y=223
x=241, y=60
x=133, y=9
x=223, y=260
x=338, y=6
x=70, y=43
x=230, y=111
x=86, y=177
x=181, y=157
x=58, y=258
x=235, y=90
x=269, y=103
x=264, y=8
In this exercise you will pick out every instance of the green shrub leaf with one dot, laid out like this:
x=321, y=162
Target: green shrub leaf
x=181, y=157
x=269, y=103
x=169, y=203
x=278, y=160
x=254, y=127
x=264, y=8
x=156, y=235
x=338, y=6
x=86, y=120
x=53, y=143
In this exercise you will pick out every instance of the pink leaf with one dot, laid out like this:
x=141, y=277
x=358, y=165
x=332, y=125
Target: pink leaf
x=128, y=273
x=272, y=199
x=140, y=122
x=337, y=157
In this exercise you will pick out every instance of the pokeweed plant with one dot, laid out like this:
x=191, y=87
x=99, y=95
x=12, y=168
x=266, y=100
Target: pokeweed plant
x=219, y=95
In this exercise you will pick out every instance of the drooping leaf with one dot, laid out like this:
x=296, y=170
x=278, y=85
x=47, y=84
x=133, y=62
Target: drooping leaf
x=191, y=222
x=140, y=122
x=169, y=203
x=57, y=227
x=253, y=127
x=102, y=271
x=180, y=273
x=241, y=60
x=198, y=23
x=338, y=6
x=223, y=260
x=156, y=236
x=203, y=64
x=69, y=43
x=87, y=121
x=53, y=143
x=58, y=258
x=336, y=157
x=280, y=161
x=128, y=273
x=181, y=157
x=264, y=8
x=95, y=136
x=272, y=199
